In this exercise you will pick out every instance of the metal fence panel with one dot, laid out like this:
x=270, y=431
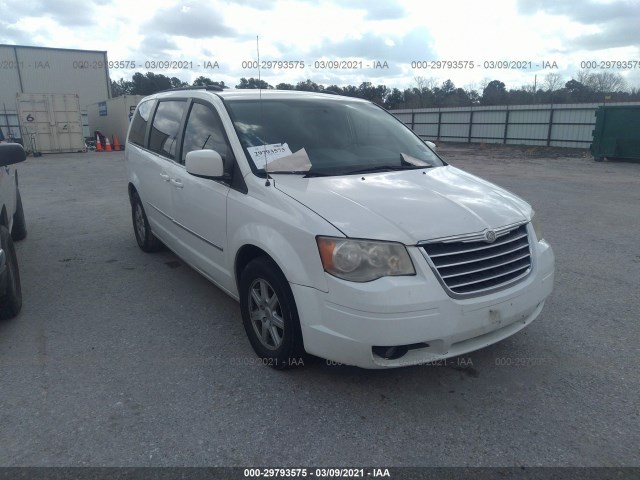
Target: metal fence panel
x=566, y=125
x=454, y=133
x=521, y=133
x=428, y=131
x=487, y=116
x=455, y=117
x=495, y=132
x=404, y=118
x=426, y=117
x=529, y=116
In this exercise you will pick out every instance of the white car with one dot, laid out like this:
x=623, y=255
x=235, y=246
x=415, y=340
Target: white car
x=338, y=230
x=12, y=227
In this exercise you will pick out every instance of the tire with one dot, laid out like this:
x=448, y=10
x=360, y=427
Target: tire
x=19, y=228
x=147, y=241
x=270, y=316
x=11, y=298
x=598, y=159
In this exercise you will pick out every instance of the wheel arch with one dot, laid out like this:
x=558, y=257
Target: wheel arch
x=131, y=188
x=246, y=254
x=290, y=262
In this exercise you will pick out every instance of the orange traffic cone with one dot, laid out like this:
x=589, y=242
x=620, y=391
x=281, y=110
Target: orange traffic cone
x=107, y=147
x=98, y=144
x=116, y=144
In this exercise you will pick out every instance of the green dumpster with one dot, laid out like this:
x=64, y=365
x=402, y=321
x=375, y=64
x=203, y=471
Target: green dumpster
x=617, y=133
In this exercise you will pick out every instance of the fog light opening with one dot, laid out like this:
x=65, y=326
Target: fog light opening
x=390, y=353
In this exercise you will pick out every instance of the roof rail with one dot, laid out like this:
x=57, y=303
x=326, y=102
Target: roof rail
x=214, y=88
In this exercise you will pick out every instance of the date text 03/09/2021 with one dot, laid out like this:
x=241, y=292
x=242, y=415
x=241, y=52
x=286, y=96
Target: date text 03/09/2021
x=317, y=472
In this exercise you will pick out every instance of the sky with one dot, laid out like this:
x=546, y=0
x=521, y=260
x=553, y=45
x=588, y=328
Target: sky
x=473, y=41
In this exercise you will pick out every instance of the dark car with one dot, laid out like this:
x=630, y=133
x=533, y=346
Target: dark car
x=12, y=227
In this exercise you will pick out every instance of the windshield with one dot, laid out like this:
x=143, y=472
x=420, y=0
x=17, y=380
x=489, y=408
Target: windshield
x=326, y=137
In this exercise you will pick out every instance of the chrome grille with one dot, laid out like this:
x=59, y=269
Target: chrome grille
x=475, y=267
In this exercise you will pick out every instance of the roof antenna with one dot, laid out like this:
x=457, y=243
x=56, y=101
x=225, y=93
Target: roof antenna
x=267, y=183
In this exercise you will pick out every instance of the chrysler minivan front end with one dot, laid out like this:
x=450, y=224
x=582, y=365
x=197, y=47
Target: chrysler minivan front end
x=340, y=231
x=420, y=318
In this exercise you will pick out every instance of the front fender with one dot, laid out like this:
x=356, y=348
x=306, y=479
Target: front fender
x=284, y=229
x=300, y=265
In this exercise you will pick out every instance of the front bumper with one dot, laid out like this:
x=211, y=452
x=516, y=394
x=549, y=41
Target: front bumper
x=343, y=324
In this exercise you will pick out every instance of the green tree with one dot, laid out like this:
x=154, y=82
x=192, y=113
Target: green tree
x=150, y=83
x=177, y=83
x=253, y=83
x=334, y=89
x=578, y=92
x=494, y=93
x=309, y=86
x=202, y=81
x=394, y=100
x=121, y=87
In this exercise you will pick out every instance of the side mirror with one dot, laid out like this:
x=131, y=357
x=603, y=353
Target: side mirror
x=432, y=145
x=204, y=163
x=11, y=153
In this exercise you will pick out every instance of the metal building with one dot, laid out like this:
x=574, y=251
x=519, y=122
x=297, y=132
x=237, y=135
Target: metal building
x=112, y=117
x=42, y=70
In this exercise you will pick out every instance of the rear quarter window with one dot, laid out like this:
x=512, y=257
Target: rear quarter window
x=165, y=127
x=139, y=123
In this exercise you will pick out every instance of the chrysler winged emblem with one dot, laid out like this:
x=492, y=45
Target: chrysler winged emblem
x=489, y=236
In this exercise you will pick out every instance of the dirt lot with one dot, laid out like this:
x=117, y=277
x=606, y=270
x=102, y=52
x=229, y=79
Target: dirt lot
x=125, y=358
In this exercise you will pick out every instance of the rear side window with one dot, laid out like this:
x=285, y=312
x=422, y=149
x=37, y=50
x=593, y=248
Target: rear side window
x=205, y=131
x=139, y=123
x=164, y=129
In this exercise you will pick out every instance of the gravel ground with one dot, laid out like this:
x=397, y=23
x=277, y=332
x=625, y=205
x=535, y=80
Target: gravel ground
x=120, y=358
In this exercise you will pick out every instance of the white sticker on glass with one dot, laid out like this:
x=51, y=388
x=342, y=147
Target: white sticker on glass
x=267, y=153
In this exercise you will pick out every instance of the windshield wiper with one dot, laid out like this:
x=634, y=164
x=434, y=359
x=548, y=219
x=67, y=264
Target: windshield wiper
x=319, y=174
x=385, y=168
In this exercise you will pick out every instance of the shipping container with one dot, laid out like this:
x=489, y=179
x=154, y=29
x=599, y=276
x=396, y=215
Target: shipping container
x=50, y=123
x=112, y=117
x=617, y=133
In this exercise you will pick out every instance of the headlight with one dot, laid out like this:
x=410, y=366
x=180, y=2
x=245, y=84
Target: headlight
x=535, y=223
x=363, y=260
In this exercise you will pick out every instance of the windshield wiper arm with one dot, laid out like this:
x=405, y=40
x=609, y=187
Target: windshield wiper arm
x=318, y=174
x=385, y=168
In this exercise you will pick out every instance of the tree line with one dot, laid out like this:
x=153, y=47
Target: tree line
x=587, y=86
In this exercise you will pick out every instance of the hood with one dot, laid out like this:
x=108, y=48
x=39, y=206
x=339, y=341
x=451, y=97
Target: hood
x=406, y=206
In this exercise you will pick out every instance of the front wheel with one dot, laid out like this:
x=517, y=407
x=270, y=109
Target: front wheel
x=11, y=298
x=270, y=316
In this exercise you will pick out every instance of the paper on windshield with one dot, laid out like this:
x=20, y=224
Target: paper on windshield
x=268, y=153
x=414, y=161
x=296, y=162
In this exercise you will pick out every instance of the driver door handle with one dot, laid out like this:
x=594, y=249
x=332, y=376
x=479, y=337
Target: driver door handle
x=177, y=183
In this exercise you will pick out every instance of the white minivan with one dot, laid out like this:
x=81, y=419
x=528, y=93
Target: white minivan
x=339, y=231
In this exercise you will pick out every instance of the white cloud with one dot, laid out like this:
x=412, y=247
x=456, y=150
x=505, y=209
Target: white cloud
x=397, y=31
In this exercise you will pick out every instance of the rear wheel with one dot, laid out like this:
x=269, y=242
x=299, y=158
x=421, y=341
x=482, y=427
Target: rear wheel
x=11, y=298
x=270, y=316
x=147, y=241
